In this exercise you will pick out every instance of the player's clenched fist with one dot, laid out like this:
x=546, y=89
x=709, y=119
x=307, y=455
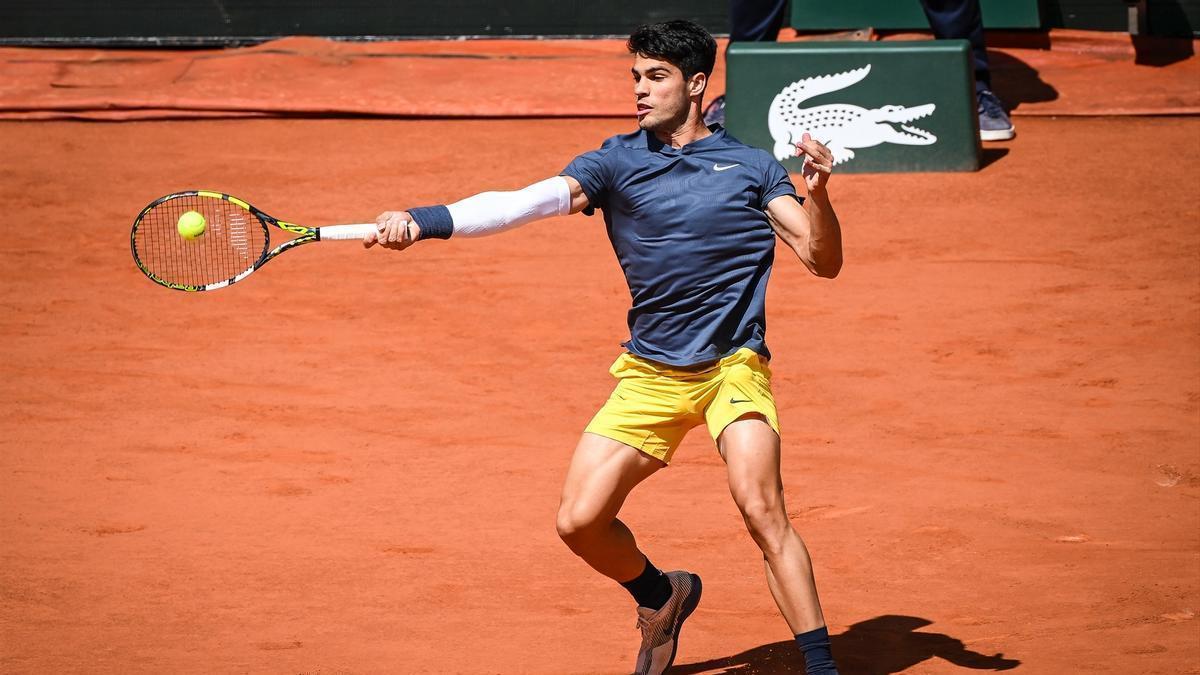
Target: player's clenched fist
x=393, y=229
x=818, y=162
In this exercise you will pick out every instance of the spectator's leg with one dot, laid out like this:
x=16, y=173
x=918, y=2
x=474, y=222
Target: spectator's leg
x=961, y=19
x=755, y=20
x=749, y=21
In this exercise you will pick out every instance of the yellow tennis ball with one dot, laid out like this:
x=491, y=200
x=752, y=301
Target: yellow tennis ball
x=191, y=225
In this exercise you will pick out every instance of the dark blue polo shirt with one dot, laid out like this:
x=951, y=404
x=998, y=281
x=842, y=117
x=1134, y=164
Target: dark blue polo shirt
x=690, y=231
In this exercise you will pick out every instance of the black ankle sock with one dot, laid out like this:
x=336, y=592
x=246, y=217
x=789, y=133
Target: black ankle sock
x=651, y=588
x=815, y=646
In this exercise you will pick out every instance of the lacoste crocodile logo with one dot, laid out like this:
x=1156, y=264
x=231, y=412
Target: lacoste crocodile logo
x=840, y=126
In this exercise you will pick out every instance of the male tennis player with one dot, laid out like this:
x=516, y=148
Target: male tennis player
x=692, y=215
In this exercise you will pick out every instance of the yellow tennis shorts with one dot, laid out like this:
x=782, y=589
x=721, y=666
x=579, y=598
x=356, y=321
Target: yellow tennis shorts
x=655, y=405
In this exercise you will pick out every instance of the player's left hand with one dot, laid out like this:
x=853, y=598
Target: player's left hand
x=818, y=162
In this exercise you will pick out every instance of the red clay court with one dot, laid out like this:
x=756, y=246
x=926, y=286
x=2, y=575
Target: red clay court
x=351, y=461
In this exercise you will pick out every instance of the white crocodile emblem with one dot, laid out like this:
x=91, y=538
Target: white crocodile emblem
x=840, y=126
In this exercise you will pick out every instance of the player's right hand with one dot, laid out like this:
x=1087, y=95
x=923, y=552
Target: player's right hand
x=393, y=229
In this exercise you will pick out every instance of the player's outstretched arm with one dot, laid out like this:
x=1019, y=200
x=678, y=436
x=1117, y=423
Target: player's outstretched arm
x=479, y=215
x=811, y=230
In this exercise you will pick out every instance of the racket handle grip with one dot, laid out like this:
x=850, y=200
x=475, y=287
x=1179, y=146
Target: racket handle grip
x=357, y=231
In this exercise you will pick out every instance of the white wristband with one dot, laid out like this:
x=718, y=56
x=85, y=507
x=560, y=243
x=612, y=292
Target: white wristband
x=492, y=212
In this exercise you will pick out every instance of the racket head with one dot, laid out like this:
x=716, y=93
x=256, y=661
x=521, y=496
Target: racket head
x=235, y=242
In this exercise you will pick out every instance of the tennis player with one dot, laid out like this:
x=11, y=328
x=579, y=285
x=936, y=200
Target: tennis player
x=693, y=215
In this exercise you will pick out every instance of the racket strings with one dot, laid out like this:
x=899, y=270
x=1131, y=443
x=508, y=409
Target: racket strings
x=233, y=241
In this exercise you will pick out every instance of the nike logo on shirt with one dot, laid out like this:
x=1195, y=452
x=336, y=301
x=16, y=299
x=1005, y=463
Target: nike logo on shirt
x=718, y=167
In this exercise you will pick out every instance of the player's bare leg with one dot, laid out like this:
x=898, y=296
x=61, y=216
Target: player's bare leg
x=602, y=473
x=750, y=448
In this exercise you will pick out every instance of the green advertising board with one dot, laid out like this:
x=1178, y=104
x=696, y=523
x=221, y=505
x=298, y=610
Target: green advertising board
x=880, y=106
x=906, y=14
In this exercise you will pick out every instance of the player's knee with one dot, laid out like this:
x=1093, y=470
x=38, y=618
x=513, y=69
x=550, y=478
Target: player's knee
x=759, y=513
x=567, y=527
x=574, y=526
x=766, y=520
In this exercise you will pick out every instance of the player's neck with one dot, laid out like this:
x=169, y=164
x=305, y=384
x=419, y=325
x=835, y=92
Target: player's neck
x=691, y=130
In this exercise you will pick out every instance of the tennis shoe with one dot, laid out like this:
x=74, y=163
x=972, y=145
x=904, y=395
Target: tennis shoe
x=994, y=124
x=660, y=628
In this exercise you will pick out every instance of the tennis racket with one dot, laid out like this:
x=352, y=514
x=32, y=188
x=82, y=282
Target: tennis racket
x=235, y=240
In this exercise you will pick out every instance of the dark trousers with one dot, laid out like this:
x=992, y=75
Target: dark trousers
x=755, y=20
x=961, y=19
x=760, y=21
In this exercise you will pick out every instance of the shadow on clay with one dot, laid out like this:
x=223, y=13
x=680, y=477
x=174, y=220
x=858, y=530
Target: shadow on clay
x=879, y=646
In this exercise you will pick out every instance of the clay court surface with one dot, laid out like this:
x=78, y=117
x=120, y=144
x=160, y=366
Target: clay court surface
x=350, y=462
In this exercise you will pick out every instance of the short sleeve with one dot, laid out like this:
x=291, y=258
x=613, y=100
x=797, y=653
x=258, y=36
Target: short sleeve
x=776, y=182
x=594, y=172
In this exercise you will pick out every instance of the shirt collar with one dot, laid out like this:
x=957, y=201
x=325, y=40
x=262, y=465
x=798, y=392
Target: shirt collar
x=655, y=145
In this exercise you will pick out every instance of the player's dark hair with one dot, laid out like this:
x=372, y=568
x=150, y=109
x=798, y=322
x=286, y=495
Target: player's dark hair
x=681, y=43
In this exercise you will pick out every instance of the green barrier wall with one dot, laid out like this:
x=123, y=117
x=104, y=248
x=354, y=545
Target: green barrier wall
x=906, y=14
x=1168, y=18
x=1177, y=18
x=902, y=106
x=184, y=22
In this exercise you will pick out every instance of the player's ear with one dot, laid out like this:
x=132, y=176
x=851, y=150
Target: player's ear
x=697, y=84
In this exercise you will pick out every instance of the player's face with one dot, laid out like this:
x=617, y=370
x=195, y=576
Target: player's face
x=663, y=94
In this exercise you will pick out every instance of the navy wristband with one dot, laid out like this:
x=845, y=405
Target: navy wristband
x=435, y=221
